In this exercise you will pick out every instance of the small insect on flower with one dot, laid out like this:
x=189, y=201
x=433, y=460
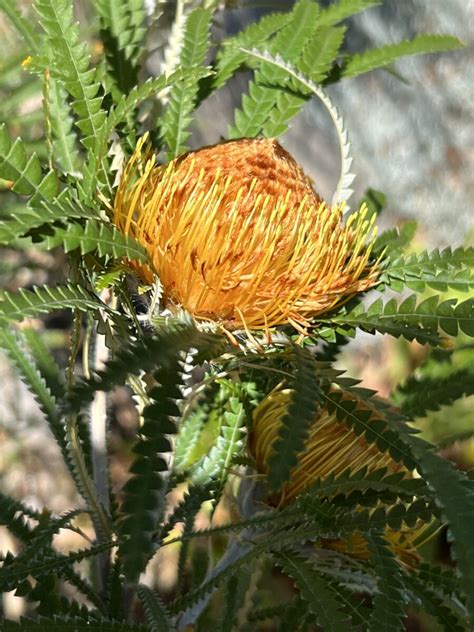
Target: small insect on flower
x=331, y=450
x=238, y=236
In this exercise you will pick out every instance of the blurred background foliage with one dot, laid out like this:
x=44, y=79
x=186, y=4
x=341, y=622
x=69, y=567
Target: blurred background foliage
x=412, y=139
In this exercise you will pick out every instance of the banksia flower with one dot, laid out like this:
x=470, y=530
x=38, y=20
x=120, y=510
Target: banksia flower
x=238, y=236
x=331, y=449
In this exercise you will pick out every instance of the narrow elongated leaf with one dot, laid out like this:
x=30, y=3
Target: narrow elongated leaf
x=235, y=592
x=294, y=429
x=309, y=88
x=26, y=173
x=273, y=541
x=156, y=614
x=66, y=151
x=263, y=94
x=46, y=363
x=380, y=57
x=230, y=57
x=456, y=498
x=421, y=322
x=215, y=465
x=364, y=420
x=343, y=9
x=182, y=98
x=454, y=493
x=59, y=210
x=122, y=31
x=436, y=607
x=438, y=270
x=389, y=605
x=15, y=344
x=144, y=493
x=419, y=395
x=320, y=52
x=30, y=303
x=316, y=61
x=315, y=590
x=15, y=516
x=60, y=624
x=71, y=67
x=379, y=481
x=37, y=549
x=94, y=235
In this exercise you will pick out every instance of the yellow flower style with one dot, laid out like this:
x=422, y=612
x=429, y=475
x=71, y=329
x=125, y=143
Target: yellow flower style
x=238, y=236
x=331, y=449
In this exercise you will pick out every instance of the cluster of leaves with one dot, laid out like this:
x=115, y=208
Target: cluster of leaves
x=93, y=113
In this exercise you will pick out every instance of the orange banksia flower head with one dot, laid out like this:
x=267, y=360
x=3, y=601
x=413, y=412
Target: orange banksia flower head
x=331, y=449
x=237, y=235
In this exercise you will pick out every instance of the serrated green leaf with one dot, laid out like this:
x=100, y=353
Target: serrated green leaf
x=122, y=32
x=38, y=557
x=144, y=493
x=420, y=394
x=71, y=68
x=60, y=210
x=40, y=300
x=394, y=240
x=421, y=322
x=215, y=465
x=436, y=607
x=230, y=57
x=438, y=270
x=320, y=52
x=156, y=614
x=46, y=363
x=263, y=94
x=389, y=604
x=315, y=590
x=343, y=9
x=379, y=57
x=276, y=541
x=26, y=173
x=94, y=235
x=15, y=343
x=456, y=498
x=59, y=624
x=294, y=428
x=66, y=152
x=14, y=515
x=183, y=94
x=367, y=422
x=234, y=599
